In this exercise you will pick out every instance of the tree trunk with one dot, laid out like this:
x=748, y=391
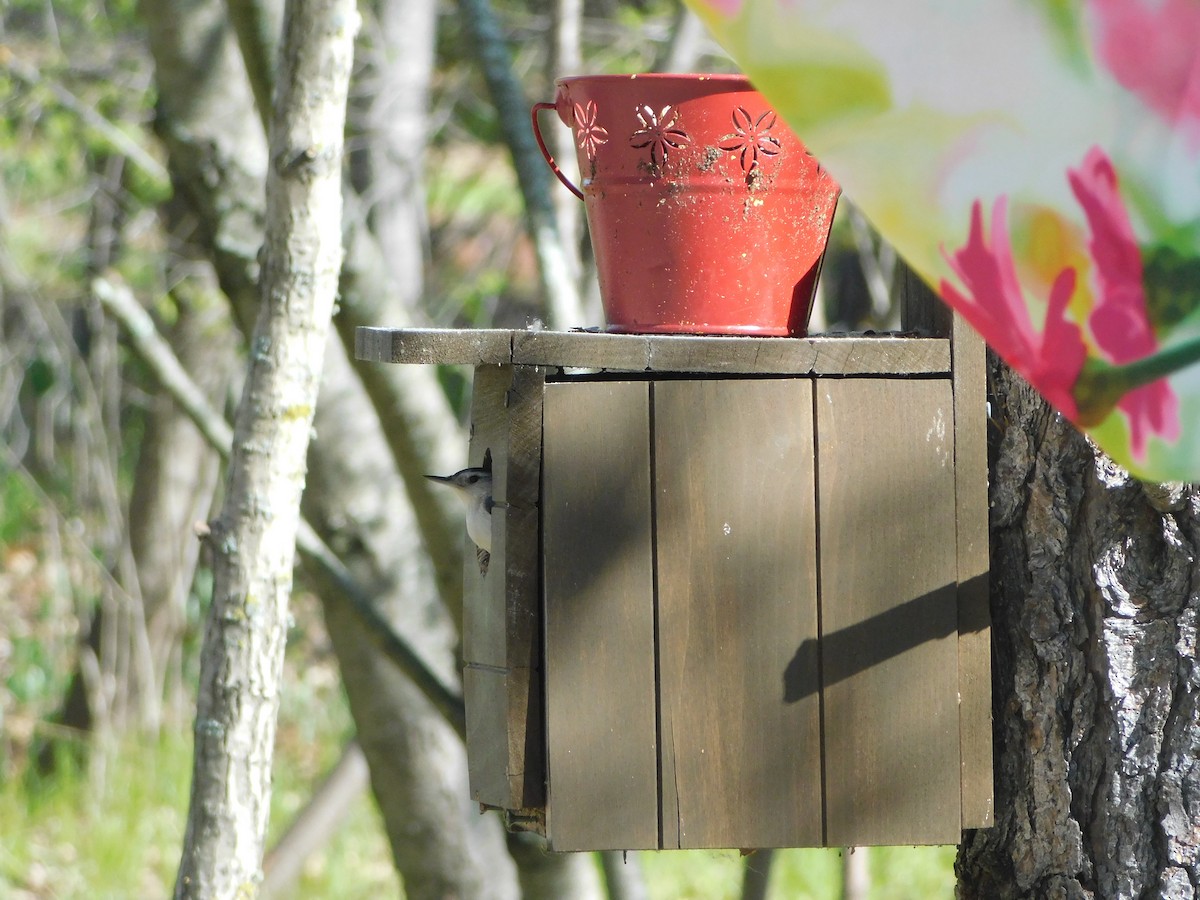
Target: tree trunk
x=553, y=876
x=208, y=120
x=1097, y=727
x=253, y=541
x=441, y=846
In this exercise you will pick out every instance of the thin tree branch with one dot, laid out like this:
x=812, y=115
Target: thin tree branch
x=878, y=266
x=256, y=24
x=335, y=577
x=684, y=44
x=564, y=308
x=168, y=371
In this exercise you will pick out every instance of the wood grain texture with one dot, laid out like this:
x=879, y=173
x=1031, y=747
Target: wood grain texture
x=889, y=618
x=484, y=632
x=424, y=346
x=599, y=617
x=737, y=613
x=830, y=355
x=974, y=616
x=498, y=734
x=501, y=615
x=921, y=309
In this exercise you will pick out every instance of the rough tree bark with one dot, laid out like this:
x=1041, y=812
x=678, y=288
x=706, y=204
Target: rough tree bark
x=1095, y=594
x=253, y=541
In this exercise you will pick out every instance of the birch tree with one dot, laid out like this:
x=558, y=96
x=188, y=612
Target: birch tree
x=253, y=540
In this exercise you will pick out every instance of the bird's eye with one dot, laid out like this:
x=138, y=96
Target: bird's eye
x=472, y=479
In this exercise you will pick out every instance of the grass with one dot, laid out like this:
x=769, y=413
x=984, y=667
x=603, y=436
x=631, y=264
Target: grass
x=897, y=873
x=118, y=835
x=72, y=837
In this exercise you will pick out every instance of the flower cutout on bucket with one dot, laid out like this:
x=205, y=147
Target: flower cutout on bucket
x=750, y=138
x=659, y=132
x=589, y=135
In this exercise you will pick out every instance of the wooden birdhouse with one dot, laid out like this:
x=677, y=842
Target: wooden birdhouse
x=737, y=594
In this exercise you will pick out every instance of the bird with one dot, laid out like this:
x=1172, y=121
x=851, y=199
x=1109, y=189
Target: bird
x=473, y=486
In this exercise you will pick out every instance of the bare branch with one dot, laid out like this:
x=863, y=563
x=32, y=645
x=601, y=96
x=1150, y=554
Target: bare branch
x=256, y=24
x=120, y=303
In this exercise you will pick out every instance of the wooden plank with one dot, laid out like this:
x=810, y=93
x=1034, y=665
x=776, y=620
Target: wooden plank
x=501, y=616
x=737, y=614
x=921, y=309
x=463, y=346
x=800, y=356
x=485, y=692
x=484, y=635
x=889, y=618
x=974, y=616
x=724, y=354
x=599, y=617
x=499, y=735
x=733, y=355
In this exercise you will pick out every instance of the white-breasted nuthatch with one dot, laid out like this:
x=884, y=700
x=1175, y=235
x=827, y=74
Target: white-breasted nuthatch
x=474, y=488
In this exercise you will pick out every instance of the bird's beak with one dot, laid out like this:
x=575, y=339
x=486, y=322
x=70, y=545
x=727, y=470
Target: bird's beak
x=441, y=479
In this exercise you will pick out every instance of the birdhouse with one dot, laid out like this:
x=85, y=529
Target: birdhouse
x=737, y=594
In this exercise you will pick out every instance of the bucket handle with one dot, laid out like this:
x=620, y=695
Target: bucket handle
x=537, y=133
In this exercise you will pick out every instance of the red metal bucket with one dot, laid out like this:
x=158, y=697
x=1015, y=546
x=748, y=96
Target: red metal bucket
x=707, y=214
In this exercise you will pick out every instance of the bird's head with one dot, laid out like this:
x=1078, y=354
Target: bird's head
x=467, y=483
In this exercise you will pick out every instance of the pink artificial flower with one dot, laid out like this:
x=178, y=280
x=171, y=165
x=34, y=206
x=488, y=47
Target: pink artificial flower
x=1153, y=51
x=1051, y=359
x=1119, y=321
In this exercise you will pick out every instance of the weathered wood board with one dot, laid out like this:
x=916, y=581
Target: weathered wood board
x=737, y=613
x=715, y=354
x=889, y=615
x=599, y=617
x=974, y=616
x=501, y=616
x=504, y=742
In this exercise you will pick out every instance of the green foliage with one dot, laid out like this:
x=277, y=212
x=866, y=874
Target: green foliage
x=38, y=632
x=456, y=382
x=18, y=507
